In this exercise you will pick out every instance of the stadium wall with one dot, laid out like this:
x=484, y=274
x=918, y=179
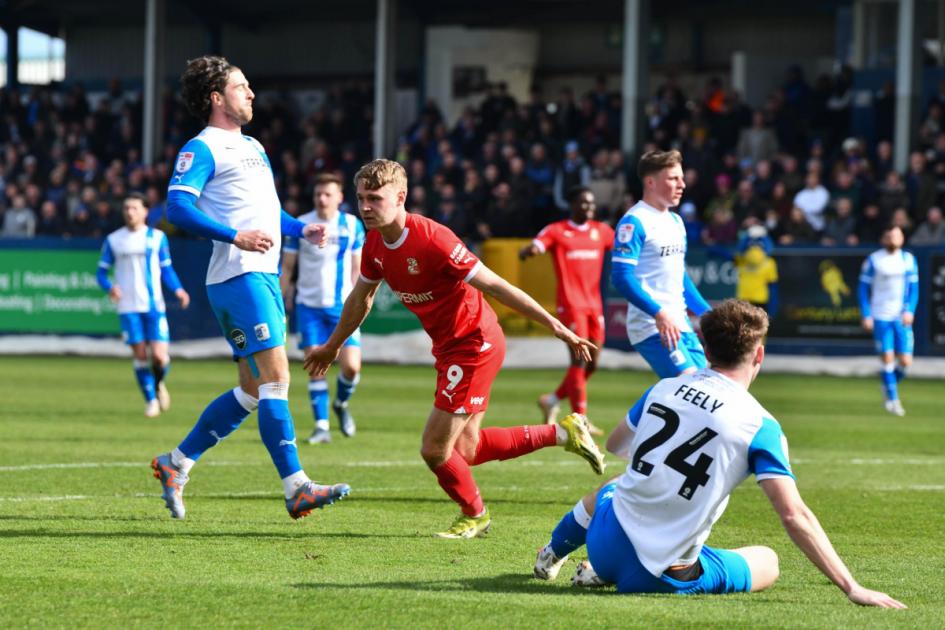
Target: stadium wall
x=48, y=287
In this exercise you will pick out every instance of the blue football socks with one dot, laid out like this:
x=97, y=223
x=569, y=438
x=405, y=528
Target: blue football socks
x=221, y=417
x=145, y=379
x=346, y=388
x=276, y=429
x=571, y=532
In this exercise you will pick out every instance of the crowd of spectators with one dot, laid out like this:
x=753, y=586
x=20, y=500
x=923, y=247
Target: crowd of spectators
x=503, y=168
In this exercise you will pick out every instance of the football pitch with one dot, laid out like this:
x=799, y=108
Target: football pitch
x=85, y=539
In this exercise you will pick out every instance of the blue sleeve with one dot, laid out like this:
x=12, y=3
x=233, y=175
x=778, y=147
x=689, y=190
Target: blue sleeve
x=628, y=243
x=768, y=452
x=183, y=212
x=193, y=168
x=290, y=244
x=104, y=264
x=291, y=226
x=912, y=286
x=694, y=300
x=863, y=290
x=636, y=411
x=168, y=275
x=358, y=236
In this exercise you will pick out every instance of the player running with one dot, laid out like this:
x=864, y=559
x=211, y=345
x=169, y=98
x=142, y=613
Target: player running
x=433, y=274
x=326, y=275
x=222, y=188
x=889, y=294
x=649, y=270
x=142, y=260
x=691, y=441
x=577, y=246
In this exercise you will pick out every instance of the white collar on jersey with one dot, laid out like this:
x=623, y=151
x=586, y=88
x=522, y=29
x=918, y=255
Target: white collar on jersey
x=579, y=228
x=398, y=242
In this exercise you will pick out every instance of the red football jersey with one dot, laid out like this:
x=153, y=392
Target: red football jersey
x=577, y=252
x=428, y=269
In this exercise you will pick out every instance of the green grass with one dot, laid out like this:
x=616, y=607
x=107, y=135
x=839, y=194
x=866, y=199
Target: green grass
x=109, y=556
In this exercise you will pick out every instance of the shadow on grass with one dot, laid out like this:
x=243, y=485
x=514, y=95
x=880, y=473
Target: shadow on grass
x=505, y=583
x=307, y=535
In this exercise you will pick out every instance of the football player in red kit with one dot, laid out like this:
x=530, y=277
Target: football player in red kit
x=577, y=246
x=433, y=274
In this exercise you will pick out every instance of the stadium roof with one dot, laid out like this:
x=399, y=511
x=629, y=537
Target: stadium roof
x=54, y=16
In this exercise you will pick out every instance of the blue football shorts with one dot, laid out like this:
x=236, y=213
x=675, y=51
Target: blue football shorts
x=250, y=312
x=316, y=325
x=615, y=560
x=144, y=326
x=668, y=363
x=893, y=336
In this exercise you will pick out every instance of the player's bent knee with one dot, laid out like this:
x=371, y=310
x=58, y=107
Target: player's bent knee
x=763, y=564
x=434, y=456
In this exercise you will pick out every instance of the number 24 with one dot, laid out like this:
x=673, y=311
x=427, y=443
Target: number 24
x=695, y=474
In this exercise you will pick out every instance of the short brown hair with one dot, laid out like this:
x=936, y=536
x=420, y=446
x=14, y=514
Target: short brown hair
x=203, y=76
x=378, y=173
x=656, y=161
x=137, y=196
x=732, y=331
x=328, y=178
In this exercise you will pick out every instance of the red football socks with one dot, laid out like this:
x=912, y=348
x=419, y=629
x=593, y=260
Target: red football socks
x=456, y=479
x=574, y=388
x=511, y=442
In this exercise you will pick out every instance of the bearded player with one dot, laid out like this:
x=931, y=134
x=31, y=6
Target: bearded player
x=433, y=274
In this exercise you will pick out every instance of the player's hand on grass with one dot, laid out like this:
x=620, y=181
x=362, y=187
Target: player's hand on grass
x=114, y=294
x=866, y=597
x=183, y=297
x=867, y=324
x=907, y=318
x=319, y=358
x=253, y=240
x=669, y=331
x=316, y=234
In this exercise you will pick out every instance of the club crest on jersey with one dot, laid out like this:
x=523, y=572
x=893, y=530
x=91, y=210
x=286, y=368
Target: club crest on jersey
x=239, y=338
x=185, y=160
x=412, y=266
x=262, y=331
x=625, y=233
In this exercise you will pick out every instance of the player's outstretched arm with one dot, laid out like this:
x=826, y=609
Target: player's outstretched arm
x=356, y=308
x=492, y=284
x=805, y=531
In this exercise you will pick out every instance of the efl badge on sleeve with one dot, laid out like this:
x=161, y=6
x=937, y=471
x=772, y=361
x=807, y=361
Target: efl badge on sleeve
x=185, y=159
x=625, y=233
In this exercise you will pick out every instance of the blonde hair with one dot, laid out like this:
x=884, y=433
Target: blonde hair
x=378, y=173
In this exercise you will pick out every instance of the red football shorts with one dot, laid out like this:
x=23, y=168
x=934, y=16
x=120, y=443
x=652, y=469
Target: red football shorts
x=586, y=323
x=464, y=376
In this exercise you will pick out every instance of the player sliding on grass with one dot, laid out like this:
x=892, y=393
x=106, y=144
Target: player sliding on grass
x=691, y=440
x=577, y=246
x=223, y=189
x=142, y=260
x=435, y=276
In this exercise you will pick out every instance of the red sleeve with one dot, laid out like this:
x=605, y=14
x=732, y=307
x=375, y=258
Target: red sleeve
x=454, y=259
x=546, y=238
x=369, y=269
x=607, y=233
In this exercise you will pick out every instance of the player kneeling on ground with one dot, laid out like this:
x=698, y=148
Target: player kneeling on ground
x=691, y=440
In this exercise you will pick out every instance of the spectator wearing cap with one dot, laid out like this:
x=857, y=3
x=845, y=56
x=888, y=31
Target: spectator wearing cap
x=812, y=200
x=573, y=171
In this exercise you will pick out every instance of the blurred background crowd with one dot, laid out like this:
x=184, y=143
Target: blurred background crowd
x=503, y=168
